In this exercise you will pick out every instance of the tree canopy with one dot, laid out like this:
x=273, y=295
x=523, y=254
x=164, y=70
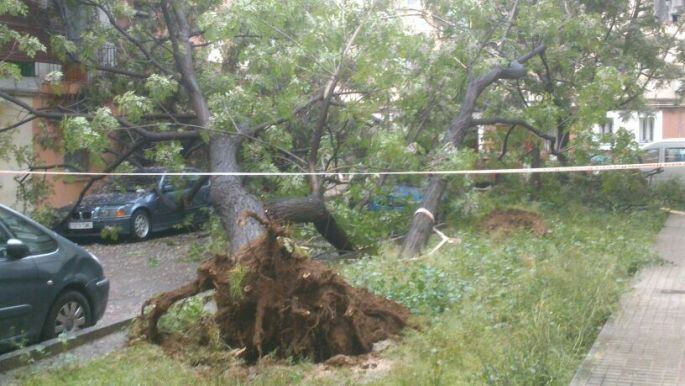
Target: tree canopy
x=339, y=86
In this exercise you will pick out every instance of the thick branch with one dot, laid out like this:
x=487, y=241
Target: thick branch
x=457, y=130
x=311, y=209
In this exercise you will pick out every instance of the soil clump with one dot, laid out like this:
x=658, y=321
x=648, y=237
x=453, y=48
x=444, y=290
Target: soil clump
x=507, y=221
x=271, y=298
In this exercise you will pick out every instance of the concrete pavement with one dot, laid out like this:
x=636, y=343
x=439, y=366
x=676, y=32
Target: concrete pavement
x=644, y=342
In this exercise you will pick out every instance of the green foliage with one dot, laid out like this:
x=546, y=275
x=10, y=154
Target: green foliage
x=62, y=46
x=424, y=288
x=104, y=121
x=167, y=154
x=132, y=105
x=110, y=233
x=670, y=194
x=12, y=7
x=46, y=216
x=161, y=87
x=216, y=242
x=78, y=134
x=235, y=280
x=183, y=316
x=367, y=228
x=524, y=311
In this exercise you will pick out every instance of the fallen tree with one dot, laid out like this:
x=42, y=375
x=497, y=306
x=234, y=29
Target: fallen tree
x=273, y=299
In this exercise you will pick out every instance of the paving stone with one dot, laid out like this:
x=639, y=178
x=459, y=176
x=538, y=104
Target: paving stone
x=643, y=343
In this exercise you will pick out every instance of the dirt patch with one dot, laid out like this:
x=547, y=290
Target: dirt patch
x=272, y=299
x=510, y=220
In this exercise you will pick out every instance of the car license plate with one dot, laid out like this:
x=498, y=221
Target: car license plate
x=81, y=225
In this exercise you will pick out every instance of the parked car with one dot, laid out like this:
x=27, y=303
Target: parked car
x=397, y=199
x=136, y=206
x=48, y=285
x=670, y=150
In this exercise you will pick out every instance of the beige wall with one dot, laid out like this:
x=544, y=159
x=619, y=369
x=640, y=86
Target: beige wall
x=674, y=123
x=21, y=136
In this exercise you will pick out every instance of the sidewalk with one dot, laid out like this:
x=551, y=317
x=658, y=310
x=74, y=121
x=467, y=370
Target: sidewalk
x=644, y=342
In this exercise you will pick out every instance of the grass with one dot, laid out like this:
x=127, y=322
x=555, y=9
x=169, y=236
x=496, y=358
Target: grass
x=495, y=310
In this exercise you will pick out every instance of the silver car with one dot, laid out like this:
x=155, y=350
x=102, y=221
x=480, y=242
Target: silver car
x=669, y=150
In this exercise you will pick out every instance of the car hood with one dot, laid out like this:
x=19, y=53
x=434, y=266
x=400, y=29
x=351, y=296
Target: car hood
x=111, y=199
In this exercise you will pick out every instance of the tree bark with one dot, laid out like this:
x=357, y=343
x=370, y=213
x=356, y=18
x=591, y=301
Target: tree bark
x=229, y=197
x=311, y=209
x=420, y=228
x=422, y=223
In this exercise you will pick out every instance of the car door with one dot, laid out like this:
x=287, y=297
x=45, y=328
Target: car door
x=34, y=291
x=18, y=280
x=200, y=198
x=674, y=153
x=168, y=211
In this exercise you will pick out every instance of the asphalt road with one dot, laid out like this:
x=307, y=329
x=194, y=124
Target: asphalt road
x=139, y=270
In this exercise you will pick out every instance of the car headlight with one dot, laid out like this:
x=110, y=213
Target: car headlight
x=112, y=212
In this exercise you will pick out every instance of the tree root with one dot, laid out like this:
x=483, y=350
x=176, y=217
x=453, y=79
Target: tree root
x=285, y=304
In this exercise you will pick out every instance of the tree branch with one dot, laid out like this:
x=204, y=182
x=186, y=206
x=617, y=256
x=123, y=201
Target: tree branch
x=514, y=122
x=113, y=22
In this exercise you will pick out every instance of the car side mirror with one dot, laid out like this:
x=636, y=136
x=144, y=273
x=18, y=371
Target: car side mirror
x=16, y=249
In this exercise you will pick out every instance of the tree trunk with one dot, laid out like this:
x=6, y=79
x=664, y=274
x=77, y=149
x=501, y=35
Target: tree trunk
x=420, y=228
x=311, y=209
x=422, y=223
x=228, y=195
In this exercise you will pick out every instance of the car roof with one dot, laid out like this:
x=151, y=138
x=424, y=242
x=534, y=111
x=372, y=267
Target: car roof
x=665, y=143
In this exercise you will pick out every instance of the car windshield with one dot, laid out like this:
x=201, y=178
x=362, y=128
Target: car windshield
x=129, y=184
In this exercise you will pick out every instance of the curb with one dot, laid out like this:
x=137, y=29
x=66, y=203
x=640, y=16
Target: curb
x=52, y=347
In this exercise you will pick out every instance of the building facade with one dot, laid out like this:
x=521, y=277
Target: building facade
x=40, y=140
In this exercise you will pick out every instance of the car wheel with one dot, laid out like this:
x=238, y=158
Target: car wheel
x=140, y=225
x=70, y=313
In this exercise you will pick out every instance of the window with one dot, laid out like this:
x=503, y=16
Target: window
x=651, y=156
x=675, y=154
x=646, y=128
x=607, y=127
x=38, y=241
x=107, y=55
x=3, y=243
x=26, y=68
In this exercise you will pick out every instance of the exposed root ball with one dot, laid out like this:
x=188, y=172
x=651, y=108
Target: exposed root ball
x=272, y=299
x=507, y=221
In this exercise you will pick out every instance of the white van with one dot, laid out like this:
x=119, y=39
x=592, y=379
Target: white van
x=668, y=150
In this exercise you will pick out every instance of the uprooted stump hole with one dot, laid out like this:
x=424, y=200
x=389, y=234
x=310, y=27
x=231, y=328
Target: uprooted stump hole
x=507, y=221
x=272, y=299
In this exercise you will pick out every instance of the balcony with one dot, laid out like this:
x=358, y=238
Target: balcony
x=33, y=78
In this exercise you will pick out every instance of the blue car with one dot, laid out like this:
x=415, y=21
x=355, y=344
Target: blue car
x=397, y=199
x=48, y=285
x=135, y=206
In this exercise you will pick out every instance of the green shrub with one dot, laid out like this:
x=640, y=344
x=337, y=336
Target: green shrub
x=670, y=194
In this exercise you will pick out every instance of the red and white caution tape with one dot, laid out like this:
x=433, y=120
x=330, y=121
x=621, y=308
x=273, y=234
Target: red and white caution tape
x=555, y=169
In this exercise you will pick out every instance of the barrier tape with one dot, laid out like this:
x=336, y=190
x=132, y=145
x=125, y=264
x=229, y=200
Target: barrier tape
x=555, y=169
x=425, y=212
